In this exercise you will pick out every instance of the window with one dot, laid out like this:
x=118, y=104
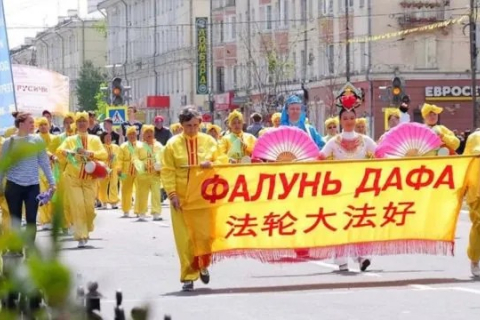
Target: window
x=294, y=13
x=303, y=10
x=285, y=13
x=426, y=52
x=363, y=56
x=233, y=28
x=220, y=77
x=268, y=18
x=331, y=58
x=310, y=9
x=361, y=4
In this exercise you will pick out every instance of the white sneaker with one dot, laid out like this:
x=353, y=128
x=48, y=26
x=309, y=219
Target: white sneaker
x=47, y=226
x=343, y=267
x=82, y=243
x=125, y=215
x=475, y=269
x=142, y=219
x=157, y=217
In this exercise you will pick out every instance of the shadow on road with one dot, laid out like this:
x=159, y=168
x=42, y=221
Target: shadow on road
x=316, y=274
x=323, y=286
x=80, y=249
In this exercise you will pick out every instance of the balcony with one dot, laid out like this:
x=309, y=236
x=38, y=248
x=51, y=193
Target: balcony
x=420, y=13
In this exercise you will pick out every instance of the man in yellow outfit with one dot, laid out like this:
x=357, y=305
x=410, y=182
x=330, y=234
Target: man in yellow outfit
x=81, y=185
x=60, y=165
x=191, y=148
x=430, y=116
x=46, y=211
x=108, y=187
x=236, y=144
x=126, y=168
x=472, y=147
x=149, y=153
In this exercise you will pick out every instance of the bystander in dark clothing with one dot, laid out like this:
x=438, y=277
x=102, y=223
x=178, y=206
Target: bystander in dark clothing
x=162, y=134
x=256, y=126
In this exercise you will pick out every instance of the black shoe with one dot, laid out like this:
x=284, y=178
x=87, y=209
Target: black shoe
x=114, y=207
x=205, y=276
x=187, y=286
x=365, y=264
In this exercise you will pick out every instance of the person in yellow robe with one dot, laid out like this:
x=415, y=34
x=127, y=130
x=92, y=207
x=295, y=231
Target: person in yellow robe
x=331, y=128
x=275, y=123
x=46, y=211
x=81, y=185
x=60, y=165
x=472, y=147
x=430, y=116
x=393, y=118
x=149, y=154
x=191, y=148
x=361, y=126
x=126, y=169
x=214, y=131
x=176, y=128
x=237, y=144
x=108, y=187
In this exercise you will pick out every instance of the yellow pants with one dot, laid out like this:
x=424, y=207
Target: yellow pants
x=81, y=198
x=474, y=243
x=108, y=189
x=46, y=211
x=188, y=270
x=150, y=185
x=127, y=192
x=62, y=189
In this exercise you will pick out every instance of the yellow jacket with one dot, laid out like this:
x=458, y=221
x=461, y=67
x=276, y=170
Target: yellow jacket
x=229, y=145
x=126, y=157
x=176, y=157
x=149, y=156
x=10, y=132
x=55, y=144
x=449, y=138
x=112, y=150
x=472, y=147
x=76, y=167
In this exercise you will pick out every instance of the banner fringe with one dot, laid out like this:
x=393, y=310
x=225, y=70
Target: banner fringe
x=381, y=248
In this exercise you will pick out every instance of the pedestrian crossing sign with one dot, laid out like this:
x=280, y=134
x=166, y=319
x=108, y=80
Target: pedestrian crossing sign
x=117, y=114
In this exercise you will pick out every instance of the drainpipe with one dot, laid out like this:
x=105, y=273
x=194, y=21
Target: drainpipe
x=63, y=51
x=47, y=51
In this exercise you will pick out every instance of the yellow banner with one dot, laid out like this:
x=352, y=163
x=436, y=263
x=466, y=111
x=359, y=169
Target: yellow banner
x=287, y=212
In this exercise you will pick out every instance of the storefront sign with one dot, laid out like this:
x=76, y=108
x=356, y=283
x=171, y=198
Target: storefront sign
x=445, y=93
x=202, y=55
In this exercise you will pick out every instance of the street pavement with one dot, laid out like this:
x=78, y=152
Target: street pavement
x=140, y=259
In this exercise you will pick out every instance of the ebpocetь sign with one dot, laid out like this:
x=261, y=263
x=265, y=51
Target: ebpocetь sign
x=449, y=92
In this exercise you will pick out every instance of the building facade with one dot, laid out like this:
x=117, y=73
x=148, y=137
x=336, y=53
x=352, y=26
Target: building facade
x=65, y=47
x=264, y=49
x=156, y=53
x=25, y=54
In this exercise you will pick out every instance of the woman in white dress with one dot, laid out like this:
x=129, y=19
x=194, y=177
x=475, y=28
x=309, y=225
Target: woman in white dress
x=344, y=146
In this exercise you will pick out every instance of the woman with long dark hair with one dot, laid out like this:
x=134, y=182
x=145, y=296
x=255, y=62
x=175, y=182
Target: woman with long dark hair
x=25, y=154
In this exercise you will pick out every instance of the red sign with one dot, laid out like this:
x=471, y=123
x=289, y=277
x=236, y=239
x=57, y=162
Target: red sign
x=224, y=101
x=160, y=102
x=207, y=117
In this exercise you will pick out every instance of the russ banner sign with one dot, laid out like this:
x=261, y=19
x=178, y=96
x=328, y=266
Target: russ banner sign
x=7, y=93
x=202, y=55
x=289, y=212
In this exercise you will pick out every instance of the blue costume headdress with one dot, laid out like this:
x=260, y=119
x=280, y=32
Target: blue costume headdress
x=301, y=124
x=285, y=121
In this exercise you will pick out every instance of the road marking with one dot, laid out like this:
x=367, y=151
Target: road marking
x=335, y=267
x=421, y=287
x=465, y=290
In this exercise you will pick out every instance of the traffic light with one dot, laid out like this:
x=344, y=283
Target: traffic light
x=117, y=92
x=397, y=91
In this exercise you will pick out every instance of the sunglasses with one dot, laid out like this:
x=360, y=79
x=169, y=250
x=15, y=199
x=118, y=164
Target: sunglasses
x=334, y=127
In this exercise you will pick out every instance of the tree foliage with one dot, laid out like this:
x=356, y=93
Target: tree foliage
x=100, y=100
x=88, y=86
